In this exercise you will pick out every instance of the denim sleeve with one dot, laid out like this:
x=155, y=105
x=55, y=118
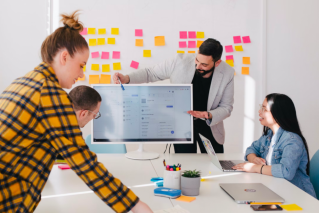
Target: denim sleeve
x=289, y=163
x=254, y=148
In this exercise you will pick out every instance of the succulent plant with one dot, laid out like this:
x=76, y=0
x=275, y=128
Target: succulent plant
x=191, y=174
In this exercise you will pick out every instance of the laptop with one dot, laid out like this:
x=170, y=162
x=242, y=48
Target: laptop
x=224, y=165
x=245, y=193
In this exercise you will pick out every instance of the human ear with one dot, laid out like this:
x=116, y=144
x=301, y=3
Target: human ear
x=217, y=63
x=63, y=57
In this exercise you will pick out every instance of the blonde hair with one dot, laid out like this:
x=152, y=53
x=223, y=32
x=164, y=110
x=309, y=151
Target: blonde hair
x=67, y=37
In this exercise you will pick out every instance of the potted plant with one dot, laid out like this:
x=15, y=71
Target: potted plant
x=190, y=182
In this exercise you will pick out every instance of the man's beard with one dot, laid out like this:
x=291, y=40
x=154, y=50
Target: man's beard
x=205, y=72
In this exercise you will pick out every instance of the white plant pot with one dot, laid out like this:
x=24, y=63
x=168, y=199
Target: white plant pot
x=190, y=186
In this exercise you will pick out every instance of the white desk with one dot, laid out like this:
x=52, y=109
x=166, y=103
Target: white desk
x=137, y=175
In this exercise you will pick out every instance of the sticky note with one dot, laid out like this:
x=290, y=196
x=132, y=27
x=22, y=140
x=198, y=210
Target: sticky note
x=134, y=64
x=82, y=79
x=116, y=55
x=94, y=79
x=182, y=34
x=101, y=31
x=117, y=66
x=105, y=68
x=84, y=31
x=92, y=42
x=138, y=32
x=191, y=52
x=200, y=35
x=246, y=39
x=91, y=31
x=105, y=55
x=239, y=48
x=182, y=44
x=101, y=41
x=291, y=207
x=139, y=42
x=159, y=40
x=191, y=44
x=237, y=39
x=185, y=199
x=63, y=167
x=105, y=79
x=230, y=62
x=84, y=68
x=114, y=31
x=111, y=40
x=229, y=49
x=95, y=54
x=245, y=70
x=199, y=43
x=246, y=60
x=95, y=67
x=147, y=53
x=180, y=51
x=202, y=180
x=229, y=57
x=191, y=34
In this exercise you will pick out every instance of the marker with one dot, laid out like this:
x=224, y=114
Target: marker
x=120, y=83
x=164, y=162
x=171, y=169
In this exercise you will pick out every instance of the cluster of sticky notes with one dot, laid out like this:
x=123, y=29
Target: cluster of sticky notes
x=159, y=40
x=191, y=34
x=94, y=41
x=190, y=44
x=95, y=79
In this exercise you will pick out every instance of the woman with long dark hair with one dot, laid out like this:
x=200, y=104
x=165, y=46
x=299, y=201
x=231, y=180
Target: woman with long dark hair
x=282, y=150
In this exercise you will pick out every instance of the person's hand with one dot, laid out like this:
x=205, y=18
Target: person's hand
x=141, y=207
x=198, y=114
x=259, y=161
x=124, y=78
x=246, y=167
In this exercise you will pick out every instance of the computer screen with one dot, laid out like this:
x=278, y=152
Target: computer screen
x=146, y=113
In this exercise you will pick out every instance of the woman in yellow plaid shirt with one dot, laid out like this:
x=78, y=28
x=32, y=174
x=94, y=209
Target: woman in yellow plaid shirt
x=37, y=122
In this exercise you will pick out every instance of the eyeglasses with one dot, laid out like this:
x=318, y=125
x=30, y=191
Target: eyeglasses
x=97, y=115
x=262, y=108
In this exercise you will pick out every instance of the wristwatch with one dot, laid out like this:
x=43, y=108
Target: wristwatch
x=208, y=116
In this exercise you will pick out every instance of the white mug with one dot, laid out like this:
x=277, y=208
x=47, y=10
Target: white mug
x=172, y=179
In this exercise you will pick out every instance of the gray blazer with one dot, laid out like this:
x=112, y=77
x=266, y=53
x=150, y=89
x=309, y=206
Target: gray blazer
x=181, y=70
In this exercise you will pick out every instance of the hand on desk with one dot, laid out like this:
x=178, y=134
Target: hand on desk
x=123, y=78
x=199, y=114
x=247, y=167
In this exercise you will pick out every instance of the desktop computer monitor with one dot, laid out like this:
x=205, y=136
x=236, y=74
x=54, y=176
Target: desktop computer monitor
x=144, y=113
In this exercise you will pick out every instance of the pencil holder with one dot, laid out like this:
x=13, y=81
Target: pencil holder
x=172, y=179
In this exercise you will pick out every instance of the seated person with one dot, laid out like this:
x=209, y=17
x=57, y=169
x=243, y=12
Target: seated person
x=282, y=150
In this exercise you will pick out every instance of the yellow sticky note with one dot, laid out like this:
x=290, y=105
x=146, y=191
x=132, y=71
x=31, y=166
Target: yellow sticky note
x=239, y=48
x=84, y=68
x=199, y=43
x=180, y=51
x=117, y=66
x=159, y=40
x=82, y=79
x=147, y=53
x=114, y=31
x=105, y=68
x=105, y=79
x=139, y=42
x=234, y=73
x=91, y=30
x=291, y=207
x=191, y=52
x=230, y=62
x=245, y=70
x=94, y=79
x=200, y=35
x=246, y=60
x=111, y=40
x=102, y=31
x=185, y=199
x=92, y=42
x=95, y=67
x=202, y=180
x=100, y=41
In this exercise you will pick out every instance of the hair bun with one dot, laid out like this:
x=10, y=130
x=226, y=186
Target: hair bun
x=72, y=21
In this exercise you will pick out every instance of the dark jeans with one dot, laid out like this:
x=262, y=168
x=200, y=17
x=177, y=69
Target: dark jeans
x=201, y=127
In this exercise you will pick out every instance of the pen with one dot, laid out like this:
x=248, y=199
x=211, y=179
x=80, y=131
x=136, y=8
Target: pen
x=120, y=83
x=164, y=162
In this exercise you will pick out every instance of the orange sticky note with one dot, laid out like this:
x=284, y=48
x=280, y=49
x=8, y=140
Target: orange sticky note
x=191, y=52
x=94, y=79
x=82, y=79
x=230, y=62
x=291, y=207
x=139, y=42
x=245, y=70
x=246, y=60
x=111, y=40
x=105, y=79
x=105, y=68
x=159, y=40
x=180, y=51
x=185, y=199
x=199, y=43
x=147, y=53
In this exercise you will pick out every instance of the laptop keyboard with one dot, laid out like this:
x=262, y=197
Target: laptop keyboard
x=227, y=165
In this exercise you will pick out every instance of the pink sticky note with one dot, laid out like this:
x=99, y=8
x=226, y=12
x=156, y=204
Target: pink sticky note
x=229, y=49
x=105, y=55
x=138, y=32
x=246, y=39
x=237, y=39
x=182, y=34
x=134, y=64
x=191, y=44
x=229, y=57
x=63, y=167
x=84, y=31
x=191, y=34
x=116, y=55
x=182, y=44
x=95, y=54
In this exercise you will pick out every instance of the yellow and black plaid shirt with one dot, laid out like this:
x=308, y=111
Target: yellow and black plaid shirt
x=37, y=122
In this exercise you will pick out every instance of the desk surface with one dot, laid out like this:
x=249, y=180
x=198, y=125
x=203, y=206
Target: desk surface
x=66, y=192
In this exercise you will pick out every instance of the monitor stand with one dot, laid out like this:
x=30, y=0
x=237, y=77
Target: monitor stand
x=140, y=154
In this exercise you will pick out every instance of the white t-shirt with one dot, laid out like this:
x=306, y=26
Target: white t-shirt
x=271, y=149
